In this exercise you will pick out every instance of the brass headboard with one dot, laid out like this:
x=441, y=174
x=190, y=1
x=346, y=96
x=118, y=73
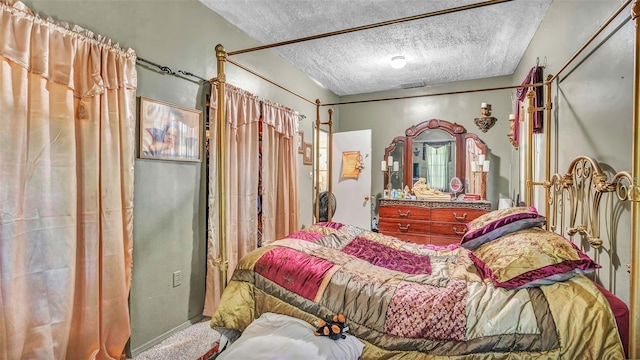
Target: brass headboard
x=575, y=206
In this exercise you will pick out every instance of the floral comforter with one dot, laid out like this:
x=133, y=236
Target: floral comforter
x=408, y=301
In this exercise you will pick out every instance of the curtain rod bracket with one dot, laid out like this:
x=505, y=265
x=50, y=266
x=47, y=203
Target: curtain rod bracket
x=167, y=70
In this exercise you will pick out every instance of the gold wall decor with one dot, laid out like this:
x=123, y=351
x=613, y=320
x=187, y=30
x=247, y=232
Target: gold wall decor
x=351, y=164
x=485, y=121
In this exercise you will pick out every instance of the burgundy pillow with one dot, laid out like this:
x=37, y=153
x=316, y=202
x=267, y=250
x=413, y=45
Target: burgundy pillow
x=497, y=223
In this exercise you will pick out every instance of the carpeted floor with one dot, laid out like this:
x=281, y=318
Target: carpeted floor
x=188, y=344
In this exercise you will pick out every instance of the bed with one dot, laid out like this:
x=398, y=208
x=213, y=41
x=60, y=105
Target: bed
x=399, y=308
x=510, y=289
x=407, y=301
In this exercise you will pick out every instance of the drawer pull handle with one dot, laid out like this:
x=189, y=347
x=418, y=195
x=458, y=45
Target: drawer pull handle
x=460, y=218
x=459, y=232
x=405, y=214
x=404, y=228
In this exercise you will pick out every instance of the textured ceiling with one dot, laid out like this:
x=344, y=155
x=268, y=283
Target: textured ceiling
x=477, y=43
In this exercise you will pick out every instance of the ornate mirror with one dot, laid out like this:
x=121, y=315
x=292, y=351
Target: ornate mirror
x=436, y=150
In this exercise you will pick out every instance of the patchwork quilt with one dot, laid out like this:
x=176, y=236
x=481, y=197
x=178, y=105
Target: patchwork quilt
x=410, y=301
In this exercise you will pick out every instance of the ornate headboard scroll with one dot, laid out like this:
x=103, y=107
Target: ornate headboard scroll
x=574, y=200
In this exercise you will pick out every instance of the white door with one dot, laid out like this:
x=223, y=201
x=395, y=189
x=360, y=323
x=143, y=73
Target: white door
x=353, y=193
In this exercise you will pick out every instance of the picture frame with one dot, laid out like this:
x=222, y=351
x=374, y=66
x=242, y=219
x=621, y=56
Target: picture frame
x=350, y=164
x=300, y=142
x=307, y=156
x=169, y=132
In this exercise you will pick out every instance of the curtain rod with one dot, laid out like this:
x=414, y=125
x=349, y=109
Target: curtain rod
x=436, y=94
x=371, y=26
x=268, y=80
x=168, y=70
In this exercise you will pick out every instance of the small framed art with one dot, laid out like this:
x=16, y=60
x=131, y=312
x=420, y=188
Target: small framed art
x=169, y=132
x=300, y=142
x=307, y=156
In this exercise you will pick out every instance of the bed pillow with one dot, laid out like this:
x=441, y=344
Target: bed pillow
x=530, y=258
x=497, y=223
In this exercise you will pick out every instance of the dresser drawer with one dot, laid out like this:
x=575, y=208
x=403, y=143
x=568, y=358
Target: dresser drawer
x=404, y=212
x=418, y=227
x=412, y=238
x=448, y=228
x=444, y=240
x=456, y=215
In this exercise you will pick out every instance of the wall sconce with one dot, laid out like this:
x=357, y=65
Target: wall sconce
x=485, y=121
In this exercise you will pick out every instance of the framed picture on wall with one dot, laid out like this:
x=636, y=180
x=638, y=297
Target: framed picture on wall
x=307, y=156
x=169, y=132
x=300, y=141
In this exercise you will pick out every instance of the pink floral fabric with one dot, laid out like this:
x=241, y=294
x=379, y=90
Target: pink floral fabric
x=425, y=311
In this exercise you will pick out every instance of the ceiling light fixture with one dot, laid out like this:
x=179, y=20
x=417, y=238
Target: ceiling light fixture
x=398, y=62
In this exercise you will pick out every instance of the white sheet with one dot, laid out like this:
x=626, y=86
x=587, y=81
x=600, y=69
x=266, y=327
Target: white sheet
x=275, y=336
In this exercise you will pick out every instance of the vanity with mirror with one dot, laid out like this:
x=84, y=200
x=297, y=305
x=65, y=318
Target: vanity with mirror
x=443, y=154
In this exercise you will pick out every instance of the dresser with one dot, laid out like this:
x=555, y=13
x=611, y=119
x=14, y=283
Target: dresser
x=435, y=222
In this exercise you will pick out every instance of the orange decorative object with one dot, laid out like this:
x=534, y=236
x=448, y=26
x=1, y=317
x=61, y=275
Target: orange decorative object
x=352, y=164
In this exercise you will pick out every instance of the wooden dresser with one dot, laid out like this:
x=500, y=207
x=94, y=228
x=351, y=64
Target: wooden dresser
x=436, y=222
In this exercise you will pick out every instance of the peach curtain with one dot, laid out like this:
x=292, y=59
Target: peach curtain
x=241, y=186
x=280, y=212
x=280, y=181
x=67, y=147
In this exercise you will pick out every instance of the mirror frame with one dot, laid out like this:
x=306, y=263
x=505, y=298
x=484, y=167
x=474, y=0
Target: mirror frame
x=387, y=152
x=456, y=130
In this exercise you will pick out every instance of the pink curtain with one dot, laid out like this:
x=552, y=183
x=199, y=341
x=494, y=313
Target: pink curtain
x=67, y=147
x=241, y=186
x=279, y=177
x=281, y=212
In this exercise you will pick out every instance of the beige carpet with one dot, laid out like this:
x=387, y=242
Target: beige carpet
x=188, y=344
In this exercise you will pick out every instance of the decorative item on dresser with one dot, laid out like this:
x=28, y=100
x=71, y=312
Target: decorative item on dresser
x=428, y=221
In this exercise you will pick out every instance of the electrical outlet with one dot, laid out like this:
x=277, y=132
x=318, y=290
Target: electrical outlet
x=177, y=278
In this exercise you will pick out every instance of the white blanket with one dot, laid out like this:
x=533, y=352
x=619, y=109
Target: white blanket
x=275, y=336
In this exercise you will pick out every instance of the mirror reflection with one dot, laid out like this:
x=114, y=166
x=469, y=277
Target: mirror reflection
x=434, y=158
x=396, y=176
x=475, y=150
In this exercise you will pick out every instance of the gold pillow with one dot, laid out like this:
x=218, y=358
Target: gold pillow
x=530, y=258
